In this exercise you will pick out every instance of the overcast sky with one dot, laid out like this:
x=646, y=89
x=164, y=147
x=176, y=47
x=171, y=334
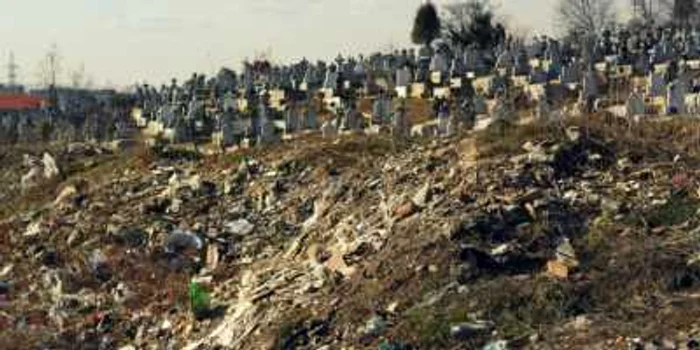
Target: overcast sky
x=124, y=41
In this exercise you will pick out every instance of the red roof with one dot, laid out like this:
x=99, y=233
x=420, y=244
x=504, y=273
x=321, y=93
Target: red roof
x=15, y=102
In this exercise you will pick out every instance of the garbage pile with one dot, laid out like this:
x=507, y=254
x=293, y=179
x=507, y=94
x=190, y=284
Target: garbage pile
x=570, y=240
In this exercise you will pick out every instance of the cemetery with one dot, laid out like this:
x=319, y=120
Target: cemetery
x=484, y=188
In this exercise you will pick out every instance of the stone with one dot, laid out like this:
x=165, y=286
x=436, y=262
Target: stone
x=50, y=168
x=405, y=210
x=375, y=326
x=180, y=241
x=497, y=345
x=423, y=196
x=240, y=227
x=468, y=330
x=635, y=105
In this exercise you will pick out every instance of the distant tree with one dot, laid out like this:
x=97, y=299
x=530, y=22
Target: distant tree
x=682, y=13
x=471, y=23
x=426, y=26
x=585, y=17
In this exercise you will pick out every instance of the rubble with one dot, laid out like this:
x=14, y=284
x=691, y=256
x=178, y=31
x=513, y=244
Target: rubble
x=341, y=247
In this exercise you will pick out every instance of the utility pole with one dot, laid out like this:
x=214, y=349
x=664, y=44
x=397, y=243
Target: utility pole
x=12, y=68
x=52, y=62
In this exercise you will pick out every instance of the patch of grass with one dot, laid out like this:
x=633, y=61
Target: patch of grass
x=676, y=211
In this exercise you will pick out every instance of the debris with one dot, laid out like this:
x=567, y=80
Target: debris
x=405, y=210
x=199, y=300
x=468, y=330
x=422, y=197
x=497, y=345
x=240, y=227
x=375, y=326
x=180, y=241
x=50, y=167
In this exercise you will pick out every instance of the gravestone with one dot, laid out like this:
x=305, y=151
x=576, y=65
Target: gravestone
x=634, y=105
x=401, y=123
x=675, y=98
x=403, y=77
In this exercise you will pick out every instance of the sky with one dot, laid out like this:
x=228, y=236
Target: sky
x=121, y=42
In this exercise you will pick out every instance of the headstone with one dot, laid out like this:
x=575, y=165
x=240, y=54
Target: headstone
x=439, y=63
x=401, y=126
x=675, y=98
x=310, y=120
x=381, y=111
x=657, y=84
x=443, y=117
x=635, y=105
x=543, y=109
x=328, y=129
x=403, y=77
x=502, y=110
x=480, y=104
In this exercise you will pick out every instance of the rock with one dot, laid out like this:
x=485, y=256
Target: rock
x=423, y=196
x=566, y=254
x=240, y=227
x=69, y=193
x=610, y=206
x=375, y=326
x=100, y=266
x=573, y=133
x=34, y=228
x=405, y=210
x=132, y=237
x=6, y=271
x=50, y=167
x=468, y=330
x=212, y=259
x=180, y=241
x=497, y=345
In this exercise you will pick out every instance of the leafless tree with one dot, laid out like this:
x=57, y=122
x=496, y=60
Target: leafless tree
x=585, y=16
x=683, y=13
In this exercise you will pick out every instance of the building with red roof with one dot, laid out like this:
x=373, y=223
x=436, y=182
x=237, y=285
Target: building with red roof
x=19, y=102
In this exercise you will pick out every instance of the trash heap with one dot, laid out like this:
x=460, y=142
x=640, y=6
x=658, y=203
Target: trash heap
x=567, y=237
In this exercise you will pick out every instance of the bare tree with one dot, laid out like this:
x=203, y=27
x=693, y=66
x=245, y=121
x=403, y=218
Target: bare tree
x=472, y=23
x=683, y=13
x=585, y=16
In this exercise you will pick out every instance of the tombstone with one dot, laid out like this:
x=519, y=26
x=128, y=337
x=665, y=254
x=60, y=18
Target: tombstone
x=401, y=123
x=522, y=64
x=443, y=116
x=504, y=60
x=675, y=99
x=543, y=110
x=225, y=135
x=352, y=119
x=656, y=84
x=331, y=80
x=589, y=90
x=502, y=110
x=439, y=63
x=403, y=77
x=381, y=111
x=480, y=104
x=538, y=76
x=634, y=105
x=310, y=119
x=457, y=69
x=328, y=129
x=293, y=120
x=268, y=133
